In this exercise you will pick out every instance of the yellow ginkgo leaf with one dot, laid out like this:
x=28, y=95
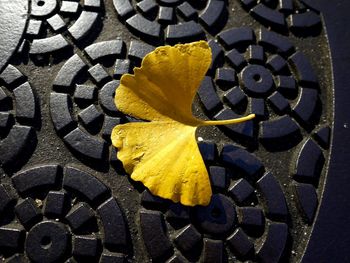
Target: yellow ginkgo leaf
x=163, y=153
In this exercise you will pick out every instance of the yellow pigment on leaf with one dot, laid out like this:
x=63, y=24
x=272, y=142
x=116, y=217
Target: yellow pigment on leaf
x=163, y=153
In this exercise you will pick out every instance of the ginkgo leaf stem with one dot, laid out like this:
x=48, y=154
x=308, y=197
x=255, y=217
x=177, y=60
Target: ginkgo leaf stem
x=227, y=122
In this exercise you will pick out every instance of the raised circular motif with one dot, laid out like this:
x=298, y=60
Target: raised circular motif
x=262, y=73
x=47, y=241
x=267, y=226
x=90, y=91
x=43, y=7
x=283, y=16
x=54, y=214
x=18, y=119
x=172, y=21
x=257, y=80
x=53, y=23
x=247, y=214
x=218, y=218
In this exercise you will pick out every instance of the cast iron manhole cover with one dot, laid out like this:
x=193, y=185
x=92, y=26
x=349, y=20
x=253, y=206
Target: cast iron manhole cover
x=280, y=185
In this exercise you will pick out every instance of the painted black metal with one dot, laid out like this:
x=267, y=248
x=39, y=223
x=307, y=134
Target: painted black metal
x=330, y=239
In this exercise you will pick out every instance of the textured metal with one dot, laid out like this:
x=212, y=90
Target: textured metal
x=279, y=181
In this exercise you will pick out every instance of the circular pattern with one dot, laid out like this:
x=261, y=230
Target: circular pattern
x=89, y=91
x=43, y=7
x=257, y=80
x=172, y=21
x=261, y=73
x=284, y=15
x=82, y=106
x=52, y=20
x=248, y=214
x=60, y=213
x=256, y=202
x=18, y=119
x=47, y=241
x=218, y=218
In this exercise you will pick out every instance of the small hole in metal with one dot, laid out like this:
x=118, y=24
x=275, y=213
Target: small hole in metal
x=257, y=77
x=216, y=212
x=46, y=242
x=41, y=2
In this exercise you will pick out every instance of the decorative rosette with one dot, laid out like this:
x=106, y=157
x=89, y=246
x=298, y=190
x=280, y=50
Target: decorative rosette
x=284, y=15
x=18, y=118
x=247, y=215
x=82, y=103
x=54, y=23
x=172, y=21
x=261, y=73
x=53, y=215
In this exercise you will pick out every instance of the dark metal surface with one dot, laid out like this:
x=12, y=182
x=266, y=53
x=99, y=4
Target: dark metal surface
x=330, y=236
x=280, y=181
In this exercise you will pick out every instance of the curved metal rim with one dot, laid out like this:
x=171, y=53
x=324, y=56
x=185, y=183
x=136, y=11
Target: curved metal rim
x=330, y=237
